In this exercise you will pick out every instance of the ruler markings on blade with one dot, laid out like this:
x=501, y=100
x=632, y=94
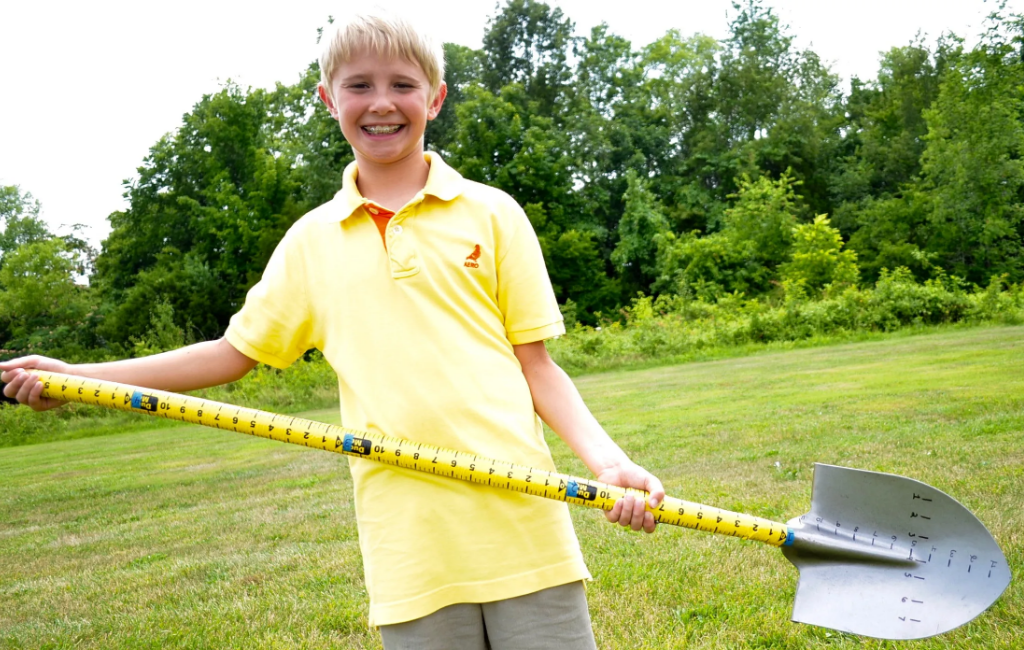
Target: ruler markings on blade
x=394, y=451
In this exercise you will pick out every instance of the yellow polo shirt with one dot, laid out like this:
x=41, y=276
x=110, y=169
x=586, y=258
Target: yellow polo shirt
x=420, y=334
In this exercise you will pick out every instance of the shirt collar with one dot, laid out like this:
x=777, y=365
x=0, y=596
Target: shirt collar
x=443, y=182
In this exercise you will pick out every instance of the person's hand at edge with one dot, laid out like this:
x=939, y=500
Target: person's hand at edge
x=24, y=386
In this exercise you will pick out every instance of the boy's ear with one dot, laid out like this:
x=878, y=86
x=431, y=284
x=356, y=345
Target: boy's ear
x=435, y=106
x=325, y=97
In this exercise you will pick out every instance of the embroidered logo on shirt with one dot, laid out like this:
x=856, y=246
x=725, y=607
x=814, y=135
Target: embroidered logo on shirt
x=471, y=259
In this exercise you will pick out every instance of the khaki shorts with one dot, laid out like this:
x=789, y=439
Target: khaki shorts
x=552, y=619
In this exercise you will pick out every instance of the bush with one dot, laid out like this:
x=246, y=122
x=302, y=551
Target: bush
x=675, y=328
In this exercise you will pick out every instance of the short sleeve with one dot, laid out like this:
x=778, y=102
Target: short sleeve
x=525, y=296
x=274, y=324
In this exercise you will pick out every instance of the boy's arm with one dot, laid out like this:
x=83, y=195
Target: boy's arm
x=202, y=365
x=559, y=404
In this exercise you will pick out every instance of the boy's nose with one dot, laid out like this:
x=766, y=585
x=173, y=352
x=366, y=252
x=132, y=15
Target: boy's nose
x=382, y=103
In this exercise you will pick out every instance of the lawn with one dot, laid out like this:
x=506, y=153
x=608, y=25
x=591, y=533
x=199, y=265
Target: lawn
x=183, y=537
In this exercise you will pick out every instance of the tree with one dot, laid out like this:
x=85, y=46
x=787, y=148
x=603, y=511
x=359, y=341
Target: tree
x=873, y=184
x=223, y=189
x=636, y=251
x=41, y=305
x=775, y=109
x=973, y=164
x=818, y=259
x=19, y=215
x=305, y=134
x=462, y=70
x=189, y=293
x=577, y=272
x=671, y=118
x=524, y=155
x=764, y=215
x=706, y=267
x=744, y=256
x=528, y=43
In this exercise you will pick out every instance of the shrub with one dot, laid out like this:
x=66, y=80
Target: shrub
x=674, y=328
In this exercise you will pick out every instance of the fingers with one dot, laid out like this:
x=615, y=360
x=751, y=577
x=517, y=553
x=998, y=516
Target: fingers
x=16, y=381
x=9, y=373
x=27, y=389
x=613, y=514
x=630, y=512
x=39, y=403
x=656, y=490
x=35, y=361
x=14, y=366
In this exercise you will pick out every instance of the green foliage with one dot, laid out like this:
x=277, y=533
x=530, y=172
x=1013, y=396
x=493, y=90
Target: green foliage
x=936, y=181
x=742, y=257
x=973, y=165
x=212, y=201
x=764, y=215
x=706, y=268
x=19, y=215
x=818, y=260
x=528, y=43
x=162, y=334
x=577, y=272
x=41, y=305
x=669, y=329
x=886, y=127
x=641, y=223
x=199, y=305
x=892, y=232
x=462, y=70
x=778, y=108
x=670, y=167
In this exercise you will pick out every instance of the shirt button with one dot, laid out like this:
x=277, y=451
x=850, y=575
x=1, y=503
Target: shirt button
x=397, y=230
x=374, y=211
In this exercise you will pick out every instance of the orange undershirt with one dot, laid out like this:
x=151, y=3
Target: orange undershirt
x=381, y=217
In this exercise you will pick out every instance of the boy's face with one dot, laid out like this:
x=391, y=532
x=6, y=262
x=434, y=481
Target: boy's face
x=382, y=106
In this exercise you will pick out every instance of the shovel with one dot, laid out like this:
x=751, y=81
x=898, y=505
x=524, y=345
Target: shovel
x=879, y=555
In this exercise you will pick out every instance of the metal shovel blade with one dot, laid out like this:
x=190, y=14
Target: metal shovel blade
x=889, y=557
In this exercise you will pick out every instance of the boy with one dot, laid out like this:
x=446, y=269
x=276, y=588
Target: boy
x=428, y=295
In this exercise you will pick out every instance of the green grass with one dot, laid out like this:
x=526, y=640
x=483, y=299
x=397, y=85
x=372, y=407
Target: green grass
x=191, y=538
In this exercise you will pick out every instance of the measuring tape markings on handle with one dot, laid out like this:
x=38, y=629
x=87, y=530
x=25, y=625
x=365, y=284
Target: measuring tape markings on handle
x=399, y=452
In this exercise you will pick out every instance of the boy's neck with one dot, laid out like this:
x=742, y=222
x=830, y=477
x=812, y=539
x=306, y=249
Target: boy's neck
x=392, y=185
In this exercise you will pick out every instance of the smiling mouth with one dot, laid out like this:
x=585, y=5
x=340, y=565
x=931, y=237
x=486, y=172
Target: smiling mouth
x=384, y=129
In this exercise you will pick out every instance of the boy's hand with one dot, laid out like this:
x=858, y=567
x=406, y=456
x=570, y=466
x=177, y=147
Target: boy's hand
x=24, y=386
x=630, y=511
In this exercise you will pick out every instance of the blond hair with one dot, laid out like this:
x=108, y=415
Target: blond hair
x=383, y=34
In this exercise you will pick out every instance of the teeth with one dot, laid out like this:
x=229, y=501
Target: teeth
x=382, y=130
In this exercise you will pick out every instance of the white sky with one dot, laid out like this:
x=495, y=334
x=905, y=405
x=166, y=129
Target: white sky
x=88, y=87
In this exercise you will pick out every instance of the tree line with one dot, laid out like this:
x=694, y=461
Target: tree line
x=689, y=167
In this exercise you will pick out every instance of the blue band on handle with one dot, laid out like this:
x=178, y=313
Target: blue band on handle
x=790, y=537
x=348, y=442
x=572, y=489
x=137, y=399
